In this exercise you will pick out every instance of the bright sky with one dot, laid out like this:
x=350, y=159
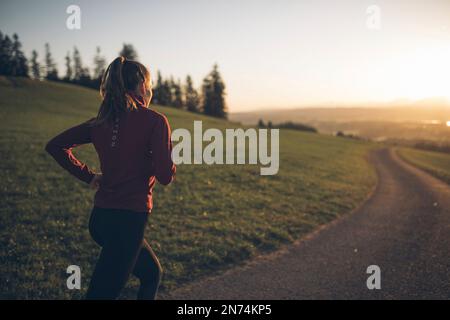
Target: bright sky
x=272, y=54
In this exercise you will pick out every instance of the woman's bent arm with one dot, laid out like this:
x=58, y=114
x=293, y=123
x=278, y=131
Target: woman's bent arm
x=162, y=152
x=60, y=148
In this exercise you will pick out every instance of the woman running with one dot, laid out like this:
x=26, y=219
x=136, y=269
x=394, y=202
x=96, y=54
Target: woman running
x=134, y=147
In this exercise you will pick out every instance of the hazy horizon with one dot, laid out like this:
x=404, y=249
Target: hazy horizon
x=284, y=54
x=439, y=102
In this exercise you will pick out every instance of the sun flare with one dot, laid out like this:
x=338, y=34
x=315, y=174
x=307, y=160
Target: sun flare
x=422, y=73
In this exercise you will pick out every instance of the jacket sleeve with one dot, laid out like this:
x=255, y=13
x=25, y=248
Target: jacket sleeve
x=60, y=148
x=161, y=145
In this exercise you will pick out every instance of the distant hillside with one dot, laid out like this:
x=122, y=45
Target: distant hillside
x=211, y=218
x=420, y=120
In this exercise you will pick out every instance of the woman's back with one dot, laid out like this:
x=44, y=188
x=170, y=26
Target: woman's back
x=132, y=151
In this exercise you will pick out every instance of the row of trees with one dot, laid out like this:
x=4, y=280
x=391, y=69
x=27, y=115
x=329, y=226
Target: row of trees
x=287, y=125
x=12, y=59
x=209, y=99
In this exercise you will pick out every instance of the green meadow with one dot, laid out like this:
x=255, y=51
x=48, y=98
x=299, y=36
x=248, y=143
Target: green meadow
x=435, y=163
x=212, y=217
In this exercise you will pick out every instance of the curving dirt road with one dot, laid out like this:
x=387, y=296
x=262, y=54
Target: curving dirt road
x=404, y=228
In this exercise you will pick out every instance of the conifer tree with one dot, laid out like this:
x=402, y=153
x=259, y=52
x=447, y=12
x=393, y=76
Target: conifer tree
x=50, y=67
x=213, y=94
x=128, y=51
x=177, y=95
x=18, y=60
x=35, y=66
x=191, y=96
x=69, y=71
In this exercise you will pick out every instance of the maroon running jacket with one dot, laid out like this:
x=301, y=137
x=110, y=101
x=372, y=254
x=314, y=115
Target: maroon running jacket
x=134, y=151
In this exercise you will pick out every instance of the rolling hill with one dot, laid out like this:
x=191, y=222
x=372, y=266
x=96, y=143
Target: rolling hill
x=211, y=218
x=435, y=163
x=421, y=120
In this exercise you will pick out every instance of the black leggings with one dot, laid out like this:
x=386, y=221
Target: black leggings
x=120, y=233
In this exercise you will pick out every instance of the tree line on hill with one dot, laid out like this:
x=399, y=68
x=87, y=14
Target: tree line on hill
x=209, y=99
x=287, y=125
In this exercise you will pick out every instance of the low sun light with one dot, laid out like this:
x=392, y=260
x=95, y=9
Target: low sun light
x=448, y=123
x=423, y=73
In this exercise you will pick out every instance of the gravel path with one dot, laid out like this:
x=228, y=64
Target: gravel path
x=404, y=228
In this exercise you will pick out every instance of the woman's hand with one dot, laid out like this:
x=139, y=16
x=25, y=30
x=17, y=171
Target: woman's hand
x=96, y=180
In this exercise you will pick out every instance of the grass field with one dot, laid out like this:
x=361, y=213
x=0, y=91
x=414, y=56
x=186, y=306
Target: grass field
x=436, y=163
x=209, y=219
